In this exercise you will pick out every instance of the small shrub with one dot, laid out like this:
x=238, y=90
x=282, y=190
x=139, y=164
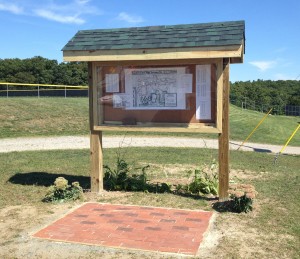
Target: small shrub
x=205, y=181
x=242, y=196
x=122, y=177
x=125, y=178
x=62, y=191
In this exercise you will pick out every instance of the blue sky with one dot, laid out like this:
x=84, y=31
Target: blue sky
x=41, y=28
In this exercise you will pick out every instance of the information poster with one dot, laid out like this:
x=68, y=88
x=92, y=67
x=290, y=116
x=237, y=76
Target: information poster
x=203, y=92
x=112, y=83
x=157, y=88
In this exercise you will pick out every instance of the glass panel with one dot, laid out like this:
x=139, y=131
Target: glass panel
x=156, y=95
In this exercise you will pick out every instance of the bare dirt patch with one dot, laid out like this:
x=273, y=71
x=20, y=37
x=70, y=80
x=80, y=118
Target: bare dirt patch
x=242, y=175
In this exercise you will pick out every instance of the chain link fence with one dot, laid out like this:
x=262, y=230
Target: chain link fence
x=41, y=90
x=287, y=110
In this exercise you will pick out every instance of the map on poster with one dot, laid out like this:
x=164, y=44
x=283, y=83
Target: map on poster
x=157, y=88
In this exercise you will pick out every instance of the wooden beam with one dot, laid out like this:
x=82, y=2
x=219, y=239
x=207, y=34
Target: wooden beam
x=159, y=128
x=165, y=62
x=96, y=161
x=233, y=51
x=96, y=154
x=224, y=137
x=90, y=81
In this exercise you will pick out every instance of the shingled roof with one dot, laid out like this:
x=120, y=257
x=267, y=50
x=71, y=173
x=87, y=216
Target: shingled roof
x=159, y=37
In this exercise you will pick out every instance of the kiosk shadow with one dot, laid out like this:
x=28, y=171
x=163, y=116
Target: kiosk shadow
x=262, y=150
x=259, y=150
x=46, y=179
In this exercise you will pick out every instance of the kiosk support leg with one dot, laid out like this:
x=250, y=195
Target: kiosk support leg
x=96, y=161
x=224, y=137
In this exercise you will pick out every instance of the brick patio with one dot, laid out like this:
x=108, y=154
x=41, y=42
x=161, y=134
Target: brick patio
x=131, y=227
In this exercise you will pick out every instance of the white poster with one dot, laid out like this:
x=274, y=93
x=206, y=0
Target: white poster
x=156, y=88
x=121, y=101
x=203, y=92
x=112, y=83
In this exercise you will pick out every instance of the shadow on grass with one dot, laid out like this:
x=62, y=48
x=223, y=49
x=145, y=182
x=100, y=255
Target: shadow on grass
x=46, y=179
x=259, y=150
x=195, y=196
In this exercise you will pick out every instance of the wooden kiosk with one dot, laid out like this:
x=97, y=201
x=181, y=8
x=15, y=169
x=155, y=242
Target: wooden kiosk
x=159, y=78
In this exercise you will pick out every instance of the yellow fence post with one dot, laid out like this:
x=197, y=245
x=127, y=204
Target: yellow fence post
x=290, y=138
x=288, y=141
x=261, y=121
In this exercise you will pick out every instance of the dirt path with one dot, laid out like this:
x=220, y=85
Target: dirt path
x=82, y=142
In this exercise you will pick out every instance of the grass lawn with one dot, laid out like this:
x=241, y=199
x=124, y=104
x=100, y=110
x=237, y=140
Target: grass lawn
x=272, y=230
x=29, y=117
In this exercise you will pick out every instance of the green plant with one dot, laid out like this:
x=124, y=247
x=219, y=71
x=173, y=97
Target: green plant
x=242, y=196
x=62, y=191
x=122, y=178
x=126, y=178
x=204, y=181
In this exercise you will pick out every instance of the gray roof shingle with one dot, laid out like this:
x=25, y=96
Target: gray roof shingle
x=153, y=37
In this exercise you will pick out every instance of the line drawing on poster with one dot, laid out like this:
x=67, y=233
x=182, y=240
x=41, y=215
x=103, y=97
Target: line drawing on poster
x=157, y=88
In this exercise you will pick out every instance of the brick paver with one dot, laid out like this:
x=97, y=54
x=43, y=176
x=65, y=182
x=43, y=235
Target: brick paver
x=133, y=227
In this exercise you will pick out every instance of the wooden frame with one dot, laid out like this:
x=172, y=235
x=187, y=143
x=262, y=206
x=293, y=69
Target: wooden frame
x=201, y=127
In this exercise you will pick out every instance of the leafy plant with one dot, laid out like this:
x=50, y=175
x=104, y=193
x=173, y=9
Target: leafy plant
x=126, y=178
x=242, y=196
x=62, y=191
x=122, y=178
x=204, y=181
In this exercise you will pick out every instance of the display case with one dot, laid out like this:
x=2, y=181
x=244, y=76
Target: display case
x=179, y=98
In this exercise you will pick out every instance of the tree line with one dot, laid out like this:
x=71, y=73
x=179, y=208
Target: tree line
x=266, y=92
x=39, y=70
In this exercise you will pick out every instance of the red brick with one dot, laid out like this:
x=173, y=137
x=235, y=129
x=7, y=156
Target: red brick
x=156, y=229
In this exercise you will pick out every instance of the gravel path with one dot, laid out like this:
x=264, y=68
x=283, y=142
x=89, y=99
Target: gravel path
x=82, y=142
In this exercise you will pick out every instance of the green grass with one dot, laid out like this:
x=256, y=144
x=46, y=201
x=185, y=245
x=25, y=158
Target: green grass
x=29, y=117
x=274, y=130
x=24, y=178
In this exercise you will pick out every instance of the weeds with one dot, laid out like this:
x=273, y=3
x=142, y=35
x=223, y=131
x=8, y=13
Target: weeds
x=242, y=196
x=122, y=178
x=127, y=178
x=204, y=181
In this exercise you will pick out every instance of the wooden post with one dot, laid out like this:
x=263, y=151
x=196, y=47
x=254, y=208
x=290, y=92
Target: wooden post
x=96, y=161
x=224, y=136
x=95, y=136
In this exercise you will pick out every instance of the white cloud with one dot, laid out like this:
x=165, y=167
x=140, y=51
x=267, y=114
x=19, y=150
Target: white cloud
x=13, y=8
x=71, y=11
x=59, y=17
x=129, y=18
x=263, y=65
